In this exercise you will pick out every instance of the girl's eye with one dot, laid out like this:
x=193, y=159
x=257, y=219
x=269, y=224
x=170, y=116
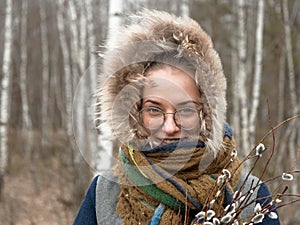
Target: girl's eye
x=187, y=111
x=153, y=110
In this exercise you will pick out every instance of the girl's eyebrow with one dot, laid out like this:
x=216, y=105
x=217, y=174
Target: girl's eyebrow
x=188, y=102
x=153, y=102
x=179, y=104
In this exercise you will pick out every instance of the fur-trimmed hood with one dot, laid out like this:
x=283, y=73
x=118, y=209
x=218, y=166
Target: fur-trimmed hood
x=152, y=33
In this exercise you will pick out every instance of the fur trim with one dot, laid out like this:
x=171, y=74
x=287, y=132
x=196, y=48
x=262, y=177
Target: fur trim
x=152, y=33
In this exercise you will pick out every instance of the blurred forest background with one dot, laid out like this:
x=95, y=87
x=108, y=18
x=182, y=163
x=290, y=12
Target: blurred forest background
x=46, y=46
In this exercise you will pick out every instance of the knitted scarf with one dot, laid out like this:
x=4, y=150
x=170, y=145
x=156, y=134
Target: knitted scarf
x=168, y=185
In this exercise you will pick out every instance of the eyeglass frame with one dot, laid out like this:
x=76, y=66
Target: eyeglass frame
x=164, y=118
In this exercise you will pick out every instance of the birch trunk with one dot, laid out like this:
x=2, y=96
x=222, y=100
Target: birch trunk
x=106, y=147
x=5, y=83
x=66, y=65
x=27, y=129
x=91, y=85
x=290, y=61
x=86, y=136
x=114, y=20
x=74, y=64
x=68, y=87
x=257, y=72
x=280, y=118
x=92, y=46
x=55, y=96
x=235, y=115
x=79, y=114
x=281, y=82
x=242, y=89
x=82, y=39
x=251, y=13
x=185, y=8
x=292, y=89
x=45, y=75
x=27, y=123
x=74, y=42
x=80, y=108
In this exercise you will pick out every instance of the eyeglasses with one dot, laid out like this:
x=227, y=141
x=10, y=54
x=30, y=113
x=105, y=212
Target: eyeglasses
x=154, y=118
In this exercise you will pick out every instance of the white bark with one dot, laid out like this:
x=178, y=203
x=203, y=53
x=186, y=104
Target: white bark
x=292, y=154
x=250, y=27
x=45, y=74
x=292, y=88
x=114, y=20
x=55, y=96
x=281, y=82
x=242, y=89
x=80, y=108
x=27, y=123
x=185, y=8
x=106, y=146
x=91, y=86
x=235, y=115
x=290, y=61
x=74, y=42
x=281, y=102
x=83, y=39
x=5, y=81
x=27, y=132
x=257, y=72
x=66, y=65
x=92, y=45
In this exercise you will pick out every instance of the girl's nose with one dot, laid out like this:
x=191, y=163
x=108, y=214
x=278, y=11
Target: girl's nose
x=169, y=126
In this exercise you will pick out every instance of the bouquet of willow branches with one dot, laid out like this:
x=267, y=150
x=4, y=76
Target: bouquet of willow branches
x=243, y=199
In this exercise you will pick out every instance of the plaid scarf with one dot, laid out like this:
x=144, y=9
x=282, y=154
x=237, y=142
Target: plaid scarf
x=169, y=184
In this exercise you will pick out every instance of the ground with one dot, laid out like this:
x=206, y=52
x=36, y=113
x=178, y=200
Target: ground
x=37, y=195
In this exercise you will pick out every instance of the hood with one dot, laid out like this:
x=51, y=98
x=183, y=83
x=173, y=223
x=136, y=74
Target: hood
x=150, y=34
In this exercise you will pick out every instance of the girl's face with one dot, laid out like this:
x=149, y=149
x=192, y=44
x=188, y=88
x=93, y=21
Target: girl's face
x=170, y=90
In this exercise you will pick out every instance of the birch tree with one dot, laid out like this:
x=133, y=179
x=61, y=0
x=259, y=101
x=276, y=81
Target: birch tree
x=114, y=21
x=185, y=8
x=281, y=101
x=92, y=81
x=66, y=68
x=79, y=114
x=235, y=115
x=27, y=129
x=257, y=71
x=82, y=38
x=45, y=74
x=106, y=147
x=5, y=81
x=27, y=123
x=290, y=61
x=74, y=41
x=242, y=88
x=281, y=84
x=292, y=88
x=92, y=45
x=75, y=66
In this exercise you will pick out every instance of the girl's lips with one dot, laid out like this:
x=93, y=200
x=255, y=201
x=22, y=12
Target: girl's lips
x=163, y=141
x=168, y=141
